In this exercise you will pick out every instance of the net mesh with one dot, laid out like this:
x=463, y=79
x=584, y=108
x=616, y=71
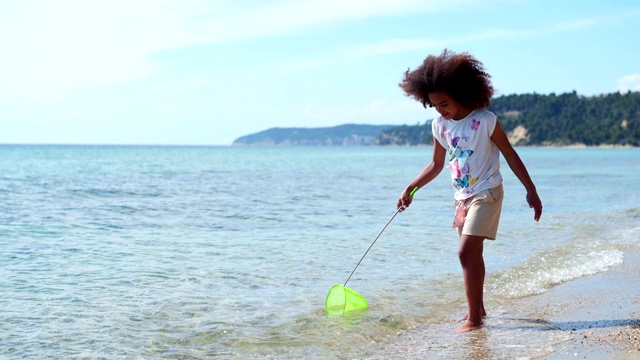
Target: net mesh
x=342, y=299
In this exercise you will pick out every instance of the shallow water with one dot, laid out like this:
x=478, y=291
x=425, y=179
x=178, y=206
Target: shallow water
x=227, y=252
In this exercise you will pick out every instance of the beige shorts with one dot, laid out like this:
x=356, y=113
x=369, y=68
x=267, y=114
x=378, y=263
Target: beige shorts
x=481, y=213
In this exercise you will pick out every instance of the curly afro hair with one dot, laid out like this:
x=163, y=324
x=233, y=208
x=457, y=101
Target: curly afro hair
x=461, y=76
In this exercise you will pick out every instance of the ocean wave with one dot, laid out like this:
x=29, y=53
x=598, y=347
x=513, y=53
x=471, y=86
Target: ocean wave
x=554, y=267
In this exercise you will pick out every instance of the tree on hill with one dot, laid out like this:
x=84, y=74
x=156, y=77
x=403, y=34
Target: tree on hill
x=611, y=119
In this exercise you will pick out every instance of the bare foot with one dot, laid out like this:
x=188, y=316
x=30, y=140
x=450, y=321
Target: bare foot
x=466, y=316
x=468, y=326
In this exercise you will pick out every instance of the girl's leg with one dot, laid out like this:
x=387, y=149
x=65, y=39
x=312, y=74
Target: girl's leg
x=470, y=255
x=483, y=312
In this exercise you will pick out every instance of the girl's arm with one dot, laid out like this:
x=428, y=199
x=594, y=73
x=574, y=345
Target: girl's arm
x=517, y=166
x=426, y=175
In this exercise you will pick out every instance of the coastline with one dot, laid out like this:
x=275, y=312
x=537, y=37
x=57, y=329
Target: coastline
x=582, y=146
x=601, y=313
x=592, y=317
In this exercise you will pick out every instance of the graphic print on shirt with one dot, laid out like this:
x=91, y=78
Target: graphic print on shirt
x=459, y=156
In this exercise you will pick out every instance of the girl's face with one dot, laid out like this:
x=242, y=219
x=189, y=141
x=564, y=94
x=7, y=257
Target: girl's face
x=448, y=107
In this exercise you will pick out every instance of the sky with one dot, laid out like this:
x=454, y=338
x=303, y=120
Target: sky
x=205, y=72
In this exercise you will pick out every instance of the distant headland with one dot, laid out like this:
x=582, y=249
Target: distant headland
x=567, y=119
x=342, y=135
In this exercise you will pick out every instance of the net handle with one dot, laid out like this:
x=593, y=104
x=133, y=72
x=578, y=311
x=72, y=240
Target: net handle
x=376, y=239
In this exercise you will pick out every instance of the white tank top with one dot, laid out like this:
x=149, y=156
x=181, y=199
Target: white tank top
x=474, y=159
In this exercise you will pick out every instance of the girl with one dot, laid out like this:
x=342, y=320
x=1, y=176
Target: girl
x=467, y=139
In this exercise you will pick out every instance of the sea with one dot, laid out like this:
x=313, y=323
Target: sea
x=222, y=252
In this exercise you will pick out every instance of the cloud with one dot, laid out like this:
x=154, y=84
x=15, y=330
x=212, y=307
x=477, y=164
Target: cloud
x=380, y=111
x=279, y=18
x=579, y=24
x=53, y=48
x=50, y=48
x=395, y=46
x=420, y=44
x=629, y=82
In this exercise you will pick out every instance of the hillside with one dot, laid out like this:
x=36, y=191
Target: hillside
x=529, y=119
x=565, y=119
x=343, y=135
x=611, y=119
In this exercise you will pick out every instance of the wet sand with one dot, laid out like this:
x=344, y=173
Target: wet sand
x=601, y=313
x=593, y=317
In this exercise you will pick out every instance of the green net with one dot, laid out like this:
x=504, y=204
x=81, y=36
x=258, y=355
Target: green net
x=342, y=299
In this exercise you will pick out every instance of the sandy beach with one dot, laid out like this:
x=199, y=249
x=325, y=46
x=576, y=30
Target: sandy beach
x=600, y=313
x=593, y=317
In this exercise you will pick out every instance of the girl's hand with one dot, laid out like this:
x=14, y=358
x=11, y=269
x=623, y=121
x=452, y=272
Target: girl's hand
x=534, y=202
x=404, y=200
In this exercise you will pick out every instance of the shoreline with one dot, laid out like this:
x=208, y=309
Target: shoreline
x=592, y=317
x=601, y=313
x=581, y=146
